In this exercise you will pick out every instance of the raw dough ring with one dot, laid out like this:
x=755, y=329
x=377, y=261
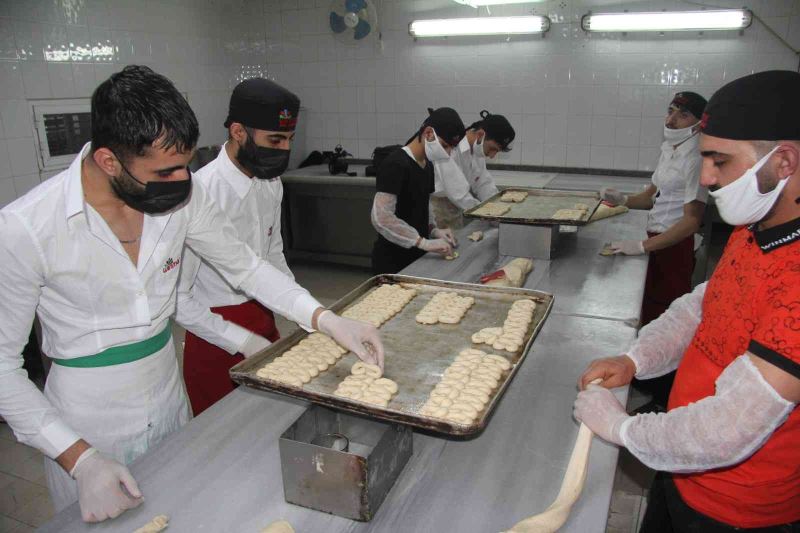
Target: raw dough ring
x=386, y=383
x=361, y=367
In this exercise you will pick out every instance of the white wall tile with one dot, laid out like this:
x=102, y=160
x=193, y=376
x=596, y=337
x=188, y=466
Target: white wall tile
x=11, y=79
x=22, y=154
x=17, y=118
x=7, y=192
x=578, y=129
x=555, y=130
x=580, y=100
x=367, y=126
x=62, y=82
x=23, y=184
x=5, y=161
x=603, y=131
x=578, y=156
x=532, y=154
x=652, y=132
x=627, y=133
x=554, y=154
x=557, y=100
x=601, y=157
x=626, y=158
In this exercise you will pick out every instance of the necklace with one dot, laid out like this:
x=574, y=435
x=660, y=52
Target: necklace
x=130, y=241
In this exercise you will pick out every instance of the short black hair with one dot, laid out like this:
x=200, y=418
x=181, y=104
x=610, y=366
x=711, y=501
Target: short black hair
x=136, y=107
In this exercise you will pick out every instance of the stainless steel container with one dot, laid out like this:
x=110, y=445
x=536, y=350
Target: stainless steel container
x=351, y=483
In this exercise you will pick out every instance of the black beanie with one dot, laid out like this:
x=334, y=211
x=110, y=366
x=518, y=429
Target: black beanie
x=264, y=105
x=759, y=107
x=497, y=128
x=447, y=124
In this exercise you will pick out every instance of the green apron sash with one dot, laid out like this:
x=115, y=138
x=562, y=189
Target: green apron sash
x=118, y=355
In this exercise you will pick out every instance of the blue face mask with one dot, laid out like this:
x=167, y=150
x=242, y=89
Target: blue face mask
x=152, y=197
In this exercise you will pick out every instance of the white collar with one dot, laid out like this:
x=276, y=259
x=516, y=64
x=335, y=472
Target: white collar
x=73, y=197
x=238, y=180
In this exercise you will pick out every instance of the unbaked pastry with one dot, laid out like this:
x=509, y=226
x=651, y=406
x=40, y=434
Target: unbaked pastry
x=514, y=196
x=445, y=307
x=492, y=209
x=475, y=236
x=568, y=214
x=158, y=523
x=281, y=526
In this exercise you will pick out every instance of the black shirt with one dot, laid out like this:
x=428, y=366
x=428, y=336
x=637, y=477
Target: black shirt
x=401, y=176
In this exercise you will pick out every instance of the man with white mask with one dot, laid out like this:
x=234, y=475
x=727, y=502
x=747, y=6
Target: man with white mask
x=730, y=436
x=401, y=209
x=463, y=181
x=677, y=202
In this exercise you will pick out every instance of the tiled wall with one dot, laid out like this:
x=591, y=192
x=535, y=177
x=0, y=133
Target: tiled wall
x=575, y=99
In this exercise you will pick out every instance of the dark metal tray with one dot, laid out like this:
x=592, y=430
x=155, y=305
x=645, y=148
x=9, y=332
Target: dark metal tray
x=416, y=355
x=540, y=205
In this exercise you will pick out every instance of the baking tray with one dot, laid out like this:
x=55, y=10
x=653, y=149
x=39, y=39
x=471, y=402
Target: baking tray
x=416, y=355
x=540, y=205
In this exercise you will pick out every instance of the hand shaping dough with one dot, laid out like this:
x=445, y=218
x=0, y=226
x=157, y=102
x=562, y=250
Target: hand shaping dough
x=365, y=384
x=281, y=526
x=158, y=523
x=451, y=257
x=492, y=209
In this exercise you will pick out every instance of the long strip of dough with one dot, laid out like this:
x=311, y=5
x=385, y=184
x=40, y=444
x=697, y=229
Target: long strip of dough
x=552, y=518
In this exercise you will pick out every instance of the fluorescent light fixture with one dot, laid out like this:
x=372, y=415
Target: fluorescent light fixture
x=479, y=26
x=727, y=19
x=482, y=3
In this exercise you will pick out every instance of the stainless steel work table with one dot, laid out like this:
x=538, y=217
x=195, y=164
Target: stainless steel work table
x=221, y=472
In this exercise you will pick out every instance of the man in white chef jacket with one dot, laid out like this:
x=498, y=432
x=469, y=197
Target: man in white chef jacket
x=463, y=181
x=224, y=324
x=95, y=253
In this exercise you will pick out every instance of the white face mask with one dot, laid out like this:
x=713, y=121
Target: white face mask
x=676, y=136
x=434, y=150
x=740, y=202
x=477, y=149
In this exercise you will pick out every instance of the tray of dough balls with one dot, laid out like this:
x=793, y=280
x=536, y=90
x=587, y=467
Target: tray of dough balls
x=451, y=350
x=520, y=205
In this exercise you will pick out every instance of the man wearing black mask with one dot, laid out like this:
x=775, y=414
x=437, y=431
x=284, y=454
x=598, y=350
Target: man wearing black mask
x=224, y=324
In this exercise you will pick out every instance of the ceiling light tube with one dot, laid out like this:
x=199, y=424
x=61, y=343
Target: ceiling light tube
x=725, y=19
x=479, y=26
x=482, y=3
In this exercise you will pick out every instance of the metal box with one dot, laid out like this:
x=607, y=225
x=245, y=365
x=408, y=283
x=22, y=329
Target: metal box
x=351, y=483
x=536, y=242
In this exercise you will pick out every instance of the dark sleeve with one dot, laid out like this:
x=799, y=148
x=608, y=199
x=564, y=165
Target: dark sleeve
x=392, y=175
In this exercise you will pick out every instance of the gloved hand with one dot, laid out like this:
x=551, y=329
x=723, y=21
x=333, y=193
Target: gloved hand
x=100, y=481
x=601, y=412
x=437, y=246
x=360, y=338
x=628, y=247
x=446, y=234
x=613, y=371
x=253, y=344
x=613, y=196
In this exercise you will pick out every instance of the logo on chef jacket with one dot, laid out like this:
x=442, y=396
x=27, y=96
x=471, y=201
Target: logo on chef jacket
x=704, y=121
x=286, y=121
x=169, y=264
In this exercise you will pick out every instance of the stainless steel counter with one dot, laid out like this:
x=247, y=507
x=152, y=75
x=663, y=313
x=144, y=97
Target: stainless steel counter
x=222, y=471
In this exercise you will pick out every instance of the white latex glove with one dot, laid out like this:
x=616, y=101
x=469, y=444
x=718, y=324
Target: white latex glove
x=100, y=481
x=628, y=247
x=437, y=246
x=613, y=196
x=599, y=409
x=446, y=234
x=360, y=338
x=253, y=344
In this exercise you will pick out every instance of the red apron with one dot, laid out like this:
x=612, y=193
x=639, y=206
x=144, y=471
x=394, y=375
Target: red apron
x=669, y=276
x=205, y=366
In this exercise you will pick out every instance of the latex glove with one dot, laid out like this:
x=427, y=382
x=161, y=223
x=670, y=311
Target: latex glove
x=360, y=338
x=613, y=371
x=601, y=412
x=100, y=487
x=613, y=196
x=628, y=247
x=446, y=234
x=253, y=344
x=437, y=246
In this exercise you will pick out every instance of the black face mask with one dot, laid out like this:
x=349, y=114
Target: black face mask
x=152, y=197
x=265, y=163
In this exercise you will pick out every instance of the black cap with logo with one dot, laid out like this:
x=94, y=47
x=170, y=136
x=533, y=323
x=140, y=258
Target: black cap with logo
x=263, y=104
x=447, y=123
x=760, y=107
x=691, y=102
x=497, y=128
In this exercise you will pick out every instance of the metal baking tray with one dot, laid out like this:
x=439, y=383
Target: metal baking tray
x=540, y=205
x=416, y=355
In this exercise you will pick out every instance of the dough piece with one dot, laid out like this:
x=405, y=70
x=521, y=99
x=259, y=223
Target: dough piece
x=607, y=250
x=158, y=523
x=552, y=518
x=568, y=214
x=281, y=526
x=445, y=307
x=365, y=384
x=492, y=209
x=380, y=304
x=605, y=211
x=373, y=371
x=475, y=236
x=514, y=196
x=454, y=255
x=580, y=207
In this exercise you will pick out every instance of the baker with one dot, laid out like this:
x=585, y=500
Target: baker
x=463, y=181
x=728, y=443
x=404, y=184
x=677, y=202
x=224, y=324
x=95, y=253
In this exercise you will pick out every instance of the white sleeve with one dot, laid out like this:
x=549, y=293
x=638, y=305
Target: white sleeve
x=455, y=185
x=715, y=432
x=23, y=274
x=694, y=191
x=275, y=253
x=197, y=317
x=213, y=238
x=388, y=224
x=661, y=344
x=485, y=187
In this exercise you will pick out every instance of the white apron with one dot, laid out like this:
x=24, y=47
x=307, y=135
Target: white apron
x=121, y=410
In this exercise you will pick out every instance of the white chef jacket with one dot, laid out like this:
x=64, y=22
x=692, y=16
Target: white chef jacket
x=677, y=177
x=254, y=207
x=59, y=258
x=464, y=178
